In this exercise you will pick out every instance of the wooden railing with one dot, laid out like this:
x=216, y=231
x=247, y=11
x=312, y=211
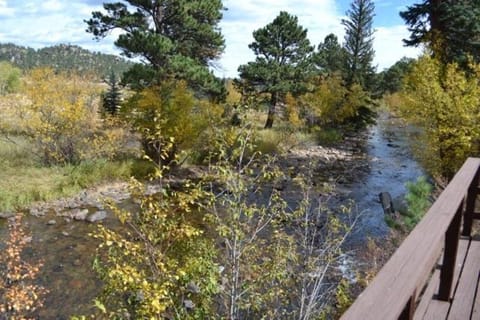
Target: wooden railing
x=393, y=293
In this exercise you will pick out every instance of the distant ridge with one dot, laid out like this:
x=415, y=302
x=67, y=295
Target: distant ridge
x=64, y=57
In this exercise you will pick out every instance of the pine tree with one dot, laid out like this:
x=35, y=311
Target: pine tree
x=330, y=57
x=174, y=38
x=283, y=61
x=359, y=43
x=112, y=97
x=451, y=29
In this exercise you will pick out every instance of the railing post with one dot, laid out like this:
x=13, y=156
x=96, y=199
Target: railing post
x=409, y=310
x=470, y=207
x=450, y=256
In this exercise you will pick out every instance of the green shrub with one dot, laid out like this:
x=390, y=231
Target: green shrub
x=268, y=141
x=328, y=136
x=142, y=169
x=88, y=173
x=417, y=197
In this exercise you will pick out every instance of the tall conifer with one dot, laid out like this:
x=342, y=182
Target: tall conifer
x=359, y=43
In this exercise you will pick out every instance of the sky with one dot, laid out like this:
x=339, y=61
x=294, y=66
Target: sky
x=41, y=23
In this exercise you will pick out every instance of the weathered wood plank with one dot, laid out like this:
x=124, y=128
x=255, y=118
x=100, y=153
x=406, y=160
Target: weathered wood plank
x=429, y=307
x=386, y=297
x=428, y=296
x=437, y=310
x=463, y=300
x=476, y=305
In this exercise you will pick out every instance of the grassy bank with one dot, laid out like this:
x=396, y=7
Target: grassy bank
x=23, y=180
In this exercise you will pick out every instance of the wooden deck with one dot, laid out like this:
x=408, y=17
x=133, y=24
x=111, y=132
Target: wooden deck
x=435, y=272
x=465, y=302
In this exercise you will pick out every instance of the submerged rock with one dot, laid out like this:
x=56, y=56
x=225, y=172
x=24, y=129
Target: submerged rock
x=97, y=216
x=79, y=214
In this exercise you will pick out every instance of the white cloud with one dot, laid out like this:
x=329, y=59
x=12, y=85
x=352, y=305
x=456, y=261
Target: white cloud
x=243, y=17
x=319, y=17
x=389, y=47
x=5, y=10
x=38, y=23
x=52, y=6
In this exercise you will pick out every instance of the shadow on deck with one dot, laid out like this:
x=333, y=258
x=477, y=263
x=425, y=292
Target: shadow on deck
x=465, y=301
x=434, y=274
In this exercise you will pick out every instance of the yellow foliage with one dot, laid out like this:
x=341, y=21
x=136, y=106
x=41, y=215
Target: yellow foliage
x=443, y=101
x=59, y=114
x=148, y=267
x=292, y=111
x=61, y=117
x=233, y=96
x=332, y=102
x=169, y=112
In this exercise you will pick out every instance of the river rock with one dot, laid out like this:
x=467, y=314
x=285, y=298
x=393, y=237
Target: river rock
x=193, y=287
x=188, y=304
x=51, y=222
x=38, y=211
x=387, y=203
x=97, y=216
x=79, y=214
x=6, y=215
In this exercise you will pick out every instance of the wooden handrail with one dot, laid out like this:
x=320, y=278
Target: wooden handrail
x=392, y=292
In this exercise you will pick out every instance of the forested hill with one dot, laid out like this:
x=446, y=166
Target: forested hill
x=64, y=57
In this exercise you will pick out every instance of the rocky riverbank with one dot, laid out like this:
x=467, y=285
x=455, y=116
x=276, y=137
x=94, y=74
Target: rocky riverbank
x=326, y=163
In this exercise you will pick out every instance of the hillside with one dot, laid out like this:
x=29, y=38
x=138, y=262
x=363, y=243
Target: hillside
x=64, y=57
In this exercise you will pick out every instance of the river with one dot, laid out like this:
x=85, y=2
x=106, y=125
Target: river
x=67, y=250
x=391, y=165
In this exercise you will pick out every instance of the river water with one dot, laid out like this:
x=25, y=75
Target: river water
x=391, y=165
x=67, y=250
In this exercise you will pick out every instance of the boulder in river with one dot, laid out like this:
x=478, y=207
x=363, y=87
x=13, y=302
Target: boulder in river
x=387, y=203
x=79, y=214
x=97, y=216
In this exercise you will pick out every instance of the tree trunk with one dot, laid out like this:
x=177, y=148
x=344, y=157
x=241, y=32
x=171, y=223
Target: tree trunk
x=271, y=111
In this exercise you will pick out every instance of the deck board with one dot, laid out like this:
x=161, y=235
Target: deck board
x=476, y=305
x=425, y=307
x=463, y=300
x=430, y=308
x=465, y=303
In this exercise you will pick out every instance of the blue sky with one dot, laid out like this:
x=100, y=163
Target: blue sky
x=39, y=23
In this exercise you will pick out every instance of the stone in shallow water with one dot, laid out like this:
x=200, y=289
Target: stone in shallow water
x=51, y=222
x=79, y=214
x=97, y=216
x=6, y=215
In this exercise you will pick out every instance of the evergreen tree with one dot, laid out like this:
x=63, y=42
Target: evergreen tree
x=111, y=98
x=330, y=57
x=391, y=79
x=451, y=29
x=359, y=43
x=174, y=38
x=283, y=61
